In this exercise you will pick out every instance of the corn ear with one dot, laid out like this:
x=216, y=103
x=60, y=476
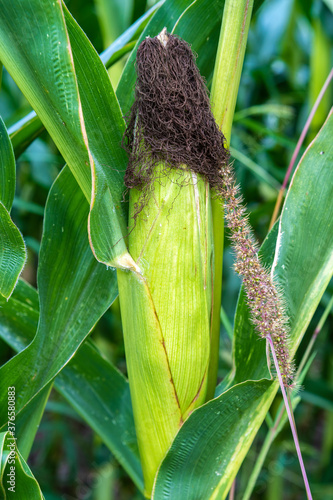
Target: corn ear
x=167, y=309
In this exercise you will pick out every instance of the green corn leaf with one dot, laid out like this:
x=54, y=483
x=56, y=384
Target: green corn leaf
x=122, y=52
x=28, y=206
x=303, y=265
x=303, y=262
x=208, y=447
x=280, y=110
x=114, y=17
x=44, y=72
x=320, y=67
x=25, y=486
x=101, y=395
x=7, y=169
x=132, y=33
x=12, y=253
x=21, y=310
x=74, y=290
x=26, y=426
x=12, y=249
x=68, y=86
x=104, y=126
x=257, y=170
x=24, y=132
x=263, y=131
x=139, y=7
x=97, y=391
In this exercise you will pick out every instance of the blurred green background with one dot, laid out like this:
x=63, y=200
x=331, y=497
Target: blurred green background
x=288, y=58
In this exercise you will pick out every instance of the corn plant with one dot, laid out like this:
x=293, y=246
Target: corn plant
x=139, y=210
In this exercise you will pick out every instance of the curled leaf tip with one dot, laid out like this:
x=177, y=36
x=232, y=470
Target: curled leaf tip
x=127, y=263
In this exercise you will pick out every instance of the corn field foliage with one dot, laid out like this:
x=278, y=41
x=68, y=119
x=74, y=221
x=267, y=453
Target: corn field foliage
x=71, y=424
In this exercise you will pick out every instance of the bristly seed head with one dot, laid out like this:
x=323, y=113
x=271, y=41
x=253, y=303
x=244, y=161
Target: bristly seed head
x=171, y=124
x=263, y=297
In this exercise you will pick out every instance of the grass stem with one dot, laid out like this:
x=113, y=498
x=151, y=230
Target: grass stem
x=232, y=490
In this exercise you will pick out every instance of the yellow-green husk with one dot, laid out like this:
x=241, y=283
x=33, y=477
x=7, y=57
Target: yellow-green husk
x=167, y=310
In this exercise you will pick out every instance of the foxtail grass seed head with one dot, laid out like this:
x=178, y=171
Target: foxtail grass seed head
x=171, y=123
x=263, y=296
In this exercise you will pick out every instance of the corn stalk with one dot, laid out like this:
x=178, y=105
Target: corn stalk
x=227, y=73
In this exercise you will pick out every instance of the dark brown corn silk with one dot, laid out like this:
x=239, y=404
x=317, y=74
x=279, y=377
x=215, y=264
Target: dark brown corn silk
x=171, y=123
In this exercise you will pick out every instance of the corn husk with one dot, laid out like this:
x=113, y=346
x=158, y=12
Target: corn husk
x=166, y=309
